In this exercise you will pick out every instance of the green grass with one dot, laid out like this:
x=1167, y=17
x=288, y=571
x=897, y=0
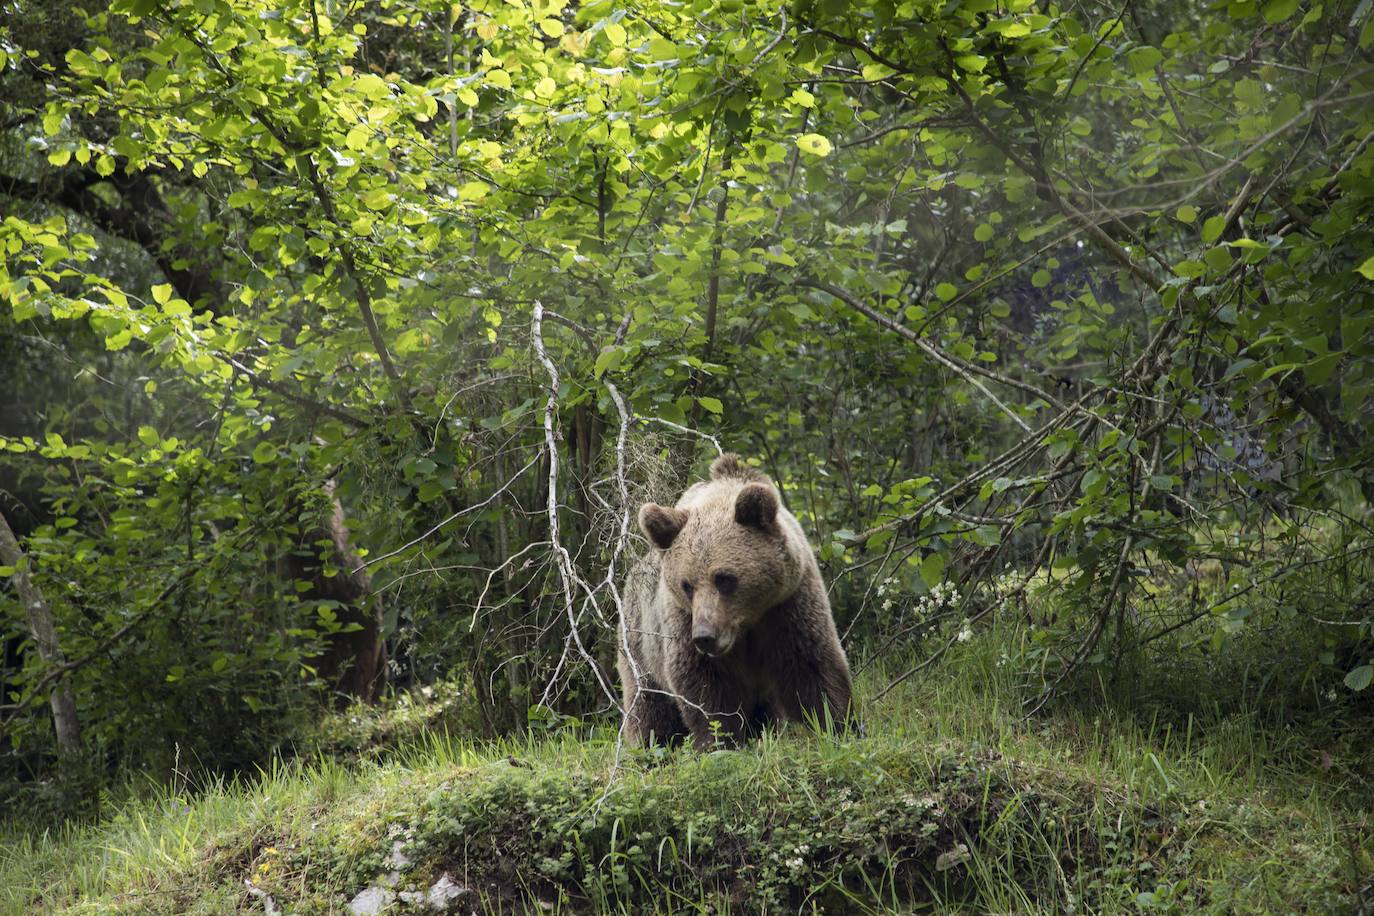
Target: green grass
x=1090, y=811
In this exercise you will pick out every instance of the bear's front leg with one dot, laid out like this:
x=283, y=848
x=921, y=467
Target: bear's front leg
x=651, y=715
x=819, y=690
x=712, y=715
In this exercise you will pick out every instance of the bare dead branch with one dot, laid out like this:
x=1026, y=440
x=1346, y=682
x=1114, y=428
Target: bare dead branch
x=564, y=560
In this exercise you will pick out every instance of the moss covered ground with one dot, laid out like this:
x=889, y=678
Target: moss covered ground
x=950, y=801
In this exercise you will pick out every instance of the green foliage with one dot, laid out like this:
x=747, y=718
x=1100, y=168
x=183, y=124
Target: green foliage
x=1079, y=291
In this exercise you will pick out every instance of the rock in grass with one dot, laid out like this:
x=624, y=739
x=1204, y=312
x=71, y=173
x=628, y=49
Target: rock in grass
x=371, y=901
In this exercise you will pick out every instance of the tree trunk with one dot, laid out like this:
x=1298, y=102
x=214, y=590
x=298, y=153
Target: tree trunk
x=354, y=661
x=44, y=632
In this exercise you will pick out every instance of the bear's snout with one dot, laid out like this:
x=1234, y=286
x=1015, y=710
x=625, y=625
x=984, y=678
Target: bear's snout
x=705, y=641
x=711, y=636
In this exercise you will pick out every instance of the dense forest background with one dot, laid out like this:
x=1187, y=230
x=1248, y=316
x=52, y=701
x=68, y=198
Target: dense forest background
x=341, y=341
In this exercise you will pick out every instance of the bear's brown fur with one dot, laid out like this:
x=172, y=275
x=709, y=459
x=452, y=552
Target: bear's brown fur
x=728, y=625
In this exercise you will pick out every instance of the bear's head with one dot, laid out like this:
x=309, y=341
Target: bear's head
x=727, y=558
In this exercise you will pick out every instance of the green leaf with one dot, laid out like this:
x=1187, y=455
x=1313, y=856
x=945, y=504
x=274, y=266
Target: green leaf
x=607, y=359
x=814, y=144
x=983, y=233
x=1186, y=214
x=161, y=293
x=946, y=291
x=874, y=72
x=986, y=535
x=1366, y=269
x=372, y=86
x=1276, y=11
x=53, y=119
x=473, y=190
x=1211, y=228
x=1360, y=678
x=1237, y=367
x=1218, y=258
x=264, y=453
x=127, y=147
x=1249, y=92
x=711, y=404
x=933, y=570
x=148, y=436
x=615, y=33
x=1143, y=60
x=377, y=199
x=262, y=238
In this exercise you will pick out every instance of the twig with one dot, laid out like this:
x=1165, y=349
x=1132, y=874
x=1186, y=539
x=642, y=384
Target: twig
x=963, y=369
x=286, y=392
x=689, y=431
x=459, y=514
x=1105, y=33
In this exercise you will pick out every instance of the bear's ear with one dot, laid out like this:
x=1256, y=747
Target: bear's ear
x=661, y=524
x=756, y=505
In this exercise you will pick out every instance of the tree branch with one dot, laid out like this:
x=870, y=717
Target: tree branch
x=132, y=221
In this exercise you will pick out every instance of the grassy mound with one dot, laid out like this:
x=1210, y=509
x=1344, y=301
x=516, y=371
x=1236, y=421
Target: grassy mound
x=951, y=801
x=797, y=822
x=792, y=824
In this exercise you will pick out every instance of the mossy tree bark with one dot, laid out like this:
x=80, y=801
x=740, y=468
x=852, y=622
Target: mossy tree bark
x=43, y=629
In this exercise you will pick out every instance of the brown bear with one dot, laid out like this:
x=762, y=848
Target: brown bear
x=728, y=625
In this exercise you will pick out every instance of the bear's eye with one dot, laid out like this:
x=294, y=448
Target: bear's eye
x=726, y=583
x=687, y=588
